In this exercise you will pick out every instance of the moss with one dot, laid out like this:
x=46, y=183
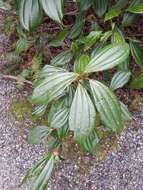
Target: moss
x=23, y=109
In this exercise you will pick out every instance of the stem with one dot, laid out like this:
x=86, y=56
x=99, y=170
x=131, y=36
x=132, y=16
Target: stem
x=16, y=78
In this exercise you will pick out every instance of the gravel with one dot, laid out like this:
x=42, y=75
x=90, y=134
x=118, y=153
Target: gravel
x=15, y=154
x=121, y=169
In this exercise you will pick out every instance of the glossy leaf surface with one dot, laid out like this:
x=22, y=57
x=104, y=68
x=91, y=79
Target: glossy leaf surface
x=107, y=105
x=120, y=79
x=81, y=63
x=38, y=134
x=54, y=9
x=100, y=7
x=52, y=86
x=137, y=83
x=136, y=52
x=31, y=14
x=62, y=58
x=108, y=57
x=82, y=113
x=126, y=115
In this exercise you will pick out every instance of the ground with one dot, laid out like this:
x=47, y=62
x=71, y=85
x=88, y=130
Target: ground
x=121, y=168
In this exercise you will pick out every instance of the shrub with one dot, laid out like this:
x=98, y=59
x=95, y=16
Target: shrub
x=68, y=88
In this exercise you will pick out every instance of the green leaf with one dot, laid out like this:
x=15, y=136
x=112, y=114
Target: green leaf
x=138, y=9
x=137, y=83
x=54, y=9
x=70, y=91
x=38, y=134
x=108, y=57
x=60, y=118
x=40, y=110
x=117, y=36
x=128, y=19
x=125, y=65
x=78, y=26
x=100, y=7
x=52, y=86
x=35, y=170
x=120, y=4
x=62, y=58
x=82, y=113
x=88, y=142
x=31, y=14
x=116, y=9
x=107, y=105
x=85, y=4
x=41, y=181
x=112, y=13
x=136, y=52
x=106, y=36
x=126, y=115
x=63, y=131
x=58, y=40
x=90, y=39
x=22, y=45
x=120, y=79
x=81, y=63
x=55, y=107
x=50, y=70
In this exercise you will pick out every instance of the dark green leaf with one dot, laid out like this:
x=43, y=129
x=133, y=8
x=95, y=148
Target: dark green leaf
x=78, y=26
x=60, y=118
x=54, y=9
x=55, y=107
x=58, y=40
x=75, y=49
x=31, y=14
x=112, y=13
x=40, y=110
x=108, y=57
x=125, y=112
x=41, y=181
x=117, y=36
x=136, y=52
x=106, y=36
x=125, y=65
x=138, y=9
x=107, y=105
x=81, y=63
x=52, y=86
x=63, y=131
x=137, y=83
x=82, y=113
x=88, y=142
x=120, y=4
x=100, y=7
x=62, y=58
x=50, y=70
x=120, y=79
x=85, y=4
x=38, y=134
x=90, y=39
x=128, y=19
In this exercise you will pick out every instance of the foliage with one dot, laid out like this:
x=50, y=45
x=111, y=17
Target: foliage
x=68, y=87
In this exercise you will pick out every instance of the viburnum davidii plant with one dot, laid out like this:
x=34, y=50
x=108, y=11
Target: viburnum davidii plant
x=74, y=101
x=68, y=89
